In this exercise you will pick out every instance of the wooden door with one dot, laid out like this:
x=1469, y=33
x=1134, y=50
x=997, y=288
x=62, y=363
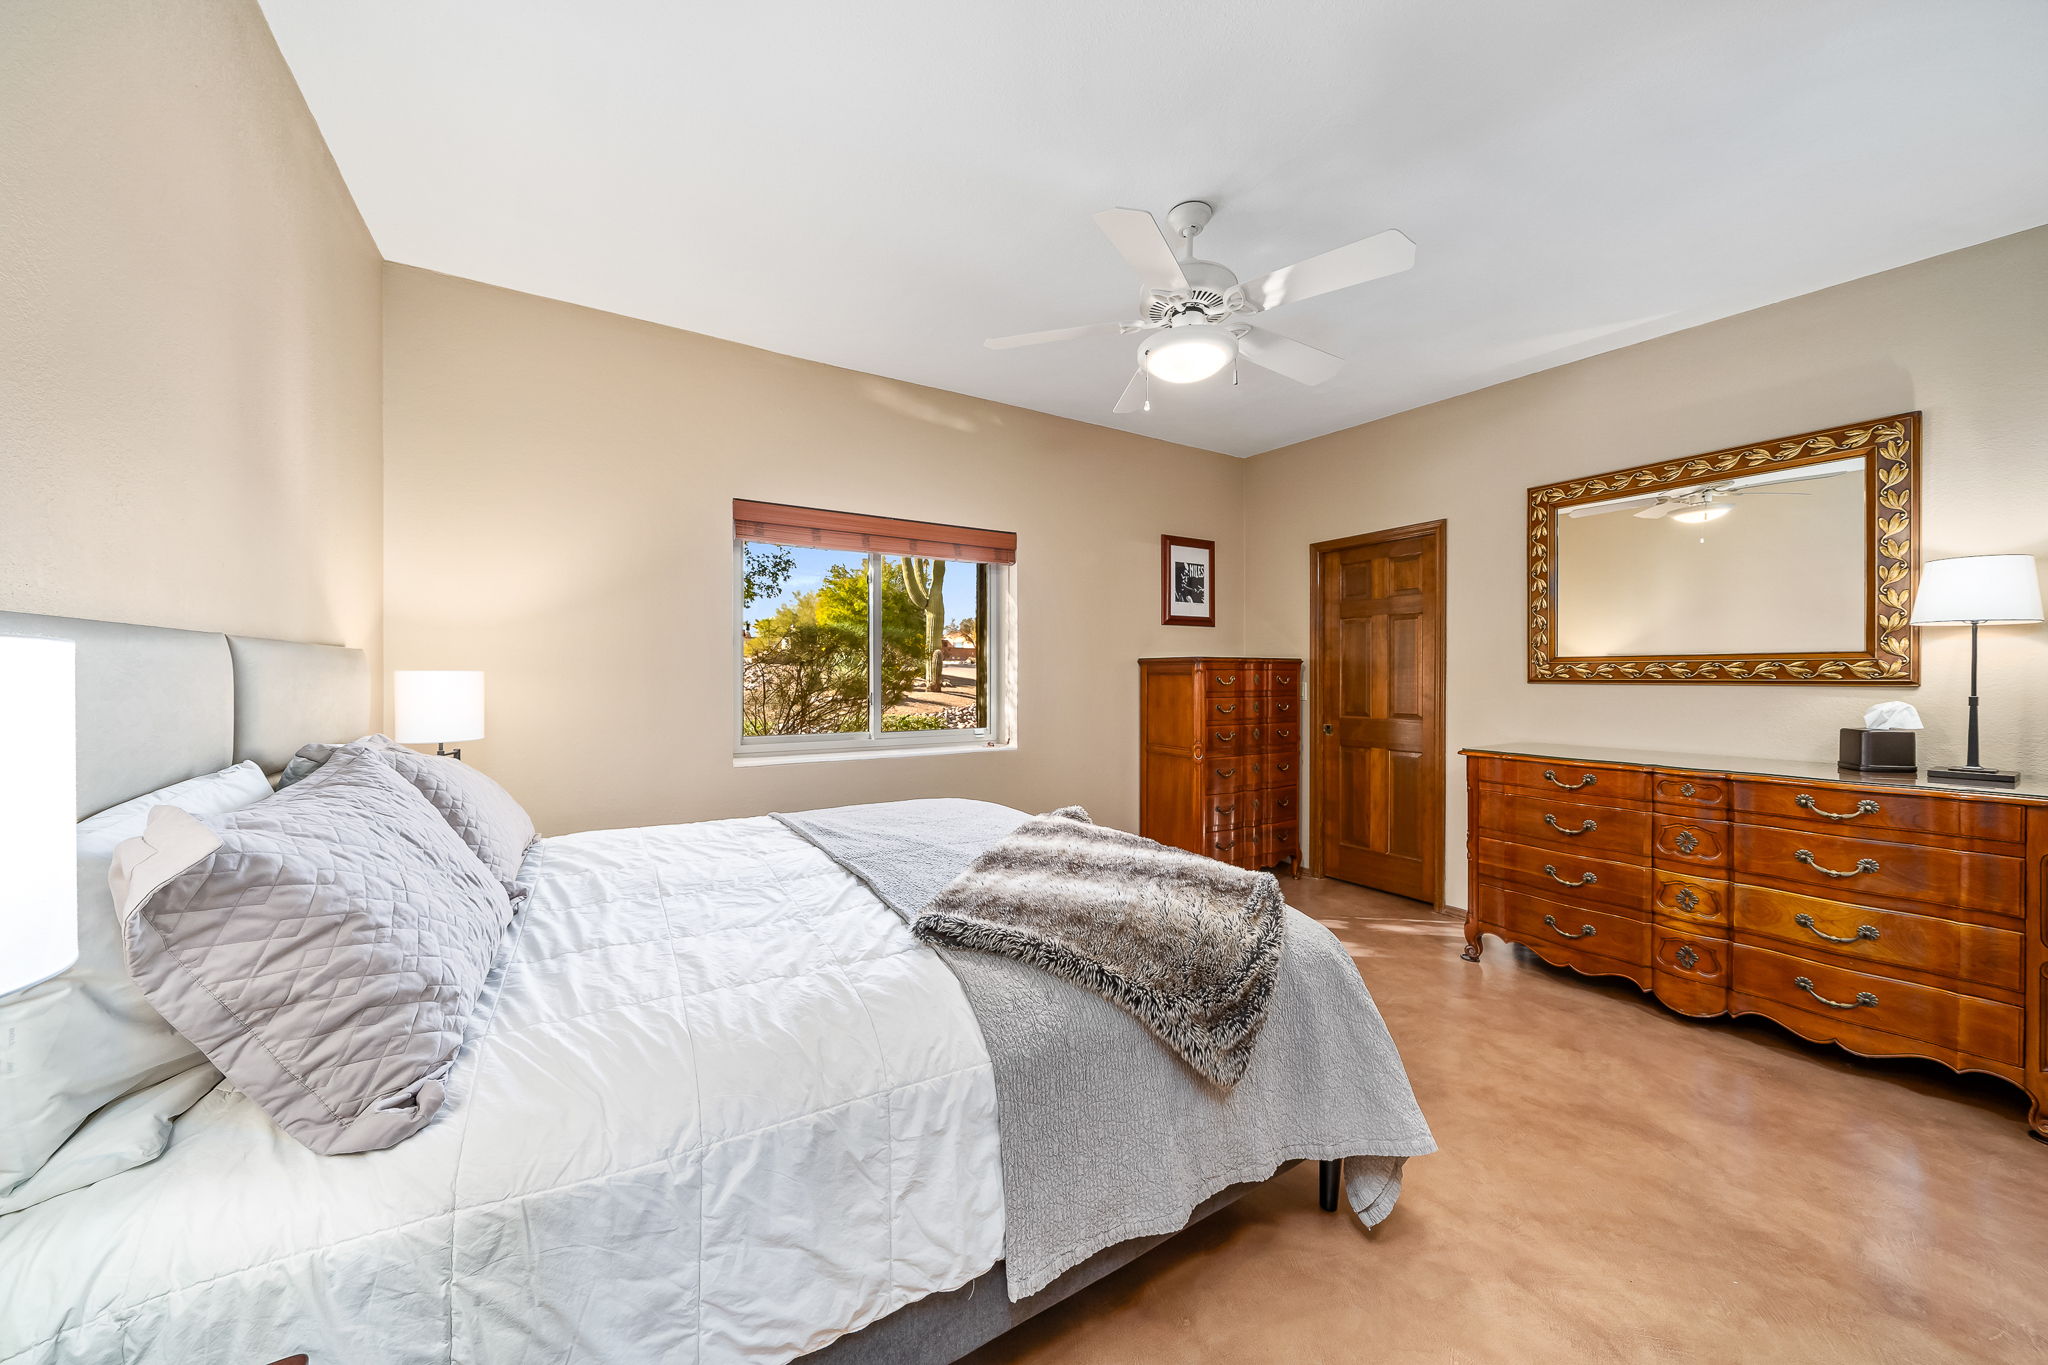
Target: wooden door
x=1377, y=758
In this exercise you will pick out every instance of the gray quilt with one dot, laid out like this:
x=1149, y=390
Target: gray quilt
x=1106, y=1134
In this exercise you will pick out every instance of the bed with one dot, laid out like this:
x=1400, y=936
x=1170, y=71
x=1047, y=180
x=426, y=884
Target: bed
x=718, y=1104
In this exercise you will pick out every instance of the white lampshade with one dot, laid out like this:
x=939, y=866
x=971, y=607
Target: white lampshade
x=38, y=811
x=437, y=706
x=1187, y=354
x=1995, y=589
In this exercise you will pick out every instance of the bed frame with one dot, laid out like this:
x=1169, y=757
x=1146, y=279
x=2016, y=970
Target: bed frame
x=157, y=705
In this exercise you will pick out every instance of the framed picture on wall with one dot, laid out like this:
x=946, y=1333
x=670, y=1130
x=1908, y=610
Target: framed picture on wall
x=1187, y=581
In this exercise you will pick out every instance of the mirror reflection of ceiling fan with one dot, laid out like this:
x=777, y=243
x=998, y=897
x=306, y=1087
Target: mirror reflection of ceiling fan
x=1706, y=502
x=1192, y=311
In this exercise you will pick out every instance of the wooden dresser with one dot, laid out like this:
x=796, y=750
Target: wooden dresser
x=1894, y=917
x=1220, y=757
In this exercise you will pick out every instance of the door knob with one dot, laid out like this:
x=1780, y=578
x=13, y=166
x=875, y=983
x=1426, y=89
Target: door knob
x=1329, y=729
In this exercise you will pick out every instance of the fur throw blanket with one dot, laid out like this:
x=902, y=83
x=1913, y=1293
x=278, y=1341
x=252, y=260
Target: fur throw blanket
x=1188, y=946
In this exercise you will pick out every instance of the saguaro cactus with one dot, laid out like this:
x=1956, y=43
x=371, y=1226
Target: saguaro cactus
x=925, y=582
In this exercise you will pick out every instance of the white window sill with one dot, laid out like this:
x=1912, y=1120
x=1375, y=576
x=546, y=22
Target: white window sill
x=844, y=755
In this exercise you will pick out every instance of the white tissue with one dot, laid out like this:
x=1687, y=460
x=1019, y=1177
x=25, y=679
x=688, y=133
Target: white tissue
x=1891, y=715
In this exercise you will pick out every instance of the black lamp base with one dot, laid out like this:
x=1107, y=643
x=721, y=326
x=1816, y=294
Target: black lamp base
x=1968, y=774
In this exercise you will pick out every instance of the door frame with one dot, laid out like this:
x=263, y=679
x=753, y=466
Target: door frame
x=1434, y=762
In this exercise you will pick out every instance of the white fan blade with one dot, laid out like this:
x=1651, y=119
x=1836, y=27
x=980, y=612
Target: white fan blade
x=1057, y=334
x=1136, y=236
x=1297, y=360
x=1134, y=394
x=1662, y=509
x=1386, y=253
x=1602, y=508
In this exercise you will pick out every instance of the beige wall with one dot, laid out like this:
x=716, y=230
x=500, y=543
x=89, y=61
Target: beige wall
x=1962, y=337
x=558, y=513
x=189, y=430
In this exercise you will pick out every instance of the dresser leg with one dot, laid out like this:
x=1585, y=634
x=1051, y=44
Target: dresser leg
x=1332, y=1182
x=1473, y=938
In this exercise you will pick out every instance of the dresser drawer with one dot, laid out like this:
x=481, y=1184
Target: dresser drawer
x=1565, y=928
x=1941, y=1019
x=1283, y=679
x=1589, y=784
x=1225, y=810
x=1834, y=866
x=1282, y=708
x=1231, y=739
x=1699, y=793
x=1227, y=677
x=1248, y=807
x=1682, y=841
x=1573, y=877
x=1603, y=831
x=1281, y=738
x=1274, y=769
x=1280, y=803
x=1227, y=774
x=1882, y=938
x=1689, y=900
x=1901, y=817
x=1235, y=710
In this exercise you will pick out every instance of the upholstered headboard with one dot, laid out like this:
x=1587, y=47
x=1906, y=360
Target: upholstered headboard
x=156, y=706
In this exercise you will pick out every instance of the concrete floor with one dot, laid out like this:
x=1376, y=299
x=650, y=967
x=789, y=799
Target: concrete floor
x=1616, y=1183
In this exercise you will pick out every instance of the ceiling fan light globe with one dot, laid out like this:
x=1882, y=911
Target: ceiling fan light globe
x=1187, y=354
x=1701, y=514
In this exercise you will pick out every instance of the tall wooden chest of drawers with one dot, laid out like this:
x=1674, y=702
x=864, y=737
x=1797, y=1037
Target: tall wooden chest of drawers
x=1220, y=757
x=1895, y=917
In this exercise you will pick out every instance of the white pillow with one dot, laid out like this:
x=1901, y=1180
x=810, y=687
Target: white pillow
x=90, y=1074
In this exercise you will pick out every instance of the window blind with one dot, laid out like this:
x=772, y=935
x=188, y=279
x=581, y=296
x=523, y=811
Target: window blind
x=781, y=524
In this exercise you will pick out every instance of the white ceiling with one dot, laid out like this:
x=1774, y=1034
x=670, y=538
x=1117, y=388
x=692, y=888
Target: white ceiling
x=882, y=185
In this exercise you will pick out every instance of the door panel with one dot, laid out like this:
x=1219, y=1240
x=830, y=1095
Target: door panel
x=1377, y=727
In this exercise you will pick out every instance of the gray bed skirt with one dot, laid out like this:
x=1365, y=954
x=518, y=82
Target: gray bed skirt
x=941, y=1328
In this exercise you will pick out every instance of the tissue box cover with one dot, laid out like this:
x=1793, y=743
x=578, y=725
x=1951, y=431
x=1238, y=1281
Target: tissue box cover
x=1879, y=751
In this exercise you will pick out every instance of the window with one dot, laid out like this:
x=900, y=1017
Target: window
x=867, y=633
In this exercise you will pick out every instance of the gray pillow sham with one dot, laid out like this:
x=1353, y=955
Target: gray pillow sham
x=325, y=948
x=494, y=825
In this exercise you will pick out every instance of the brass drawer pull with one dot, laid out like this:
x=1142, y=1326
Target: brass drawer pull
x=1225, y=710
x=1227, y=810
x=1225, y=736
x=1863, y=931
x=1550, y=776
x=1587, y=828
x=1862, y=808
x=1550, y=869
x=1226, y=772
x=1585, y=930
x=1688, y=790
x=1226, y=679
x=1864, y=999
x=1862, y=865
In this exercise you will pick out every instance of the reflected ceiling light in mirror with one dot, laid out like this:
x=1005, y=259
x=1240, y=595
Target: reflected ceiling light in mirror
x=1700, y=514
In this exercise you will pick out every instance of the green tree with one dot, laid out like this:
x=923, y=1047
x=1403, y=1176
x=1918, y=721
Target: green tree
x=768, y=567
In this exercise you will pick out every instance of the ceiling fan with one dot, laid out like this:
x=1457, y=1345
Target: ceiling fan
x=1696, y=505
x=1188, y=308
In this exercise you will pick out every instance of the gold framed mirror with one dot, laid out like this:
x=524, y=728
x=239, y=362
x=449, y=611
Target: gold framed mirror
x=1789, y=561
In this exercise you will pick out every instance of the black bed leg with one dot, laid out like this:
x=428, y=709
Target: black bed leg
x=1332, y=1182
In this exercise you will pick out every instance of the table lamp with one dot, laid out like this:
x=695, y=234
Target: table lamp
x=437, y=705
x=1980, y=590
x=38, y=811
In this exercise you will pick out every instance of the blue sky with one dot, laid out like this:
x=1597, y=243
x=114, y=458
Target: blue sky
x=811, y=565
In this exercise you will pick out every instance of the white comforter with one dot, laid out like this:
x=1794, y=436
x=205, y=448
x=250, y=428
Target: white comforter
x=726, y=1108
